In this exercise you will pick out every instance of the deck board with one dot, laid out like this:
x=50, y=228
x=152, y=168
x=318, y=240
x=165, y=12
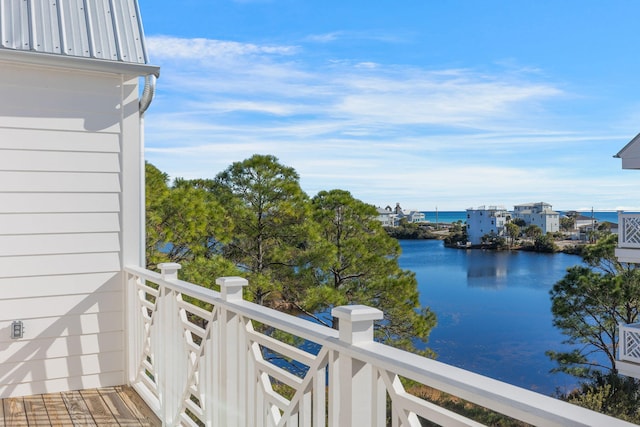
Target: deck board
x=125, y=415
x=138, y=407
x=98, y=409
x=14, y=413
x=57, y=410
x=36, y=411
x=78, y=409
x=111, y=406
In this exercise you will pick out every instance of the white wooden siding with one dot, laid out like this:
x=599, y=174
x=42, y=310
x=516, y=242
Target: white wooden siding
x=18, y=160
x=62, y=367
x=58, y=243
x=72, y=222
x=76, y=324
x=58, y=264
x=58, y=140
x=62, y=236
x=42, y=286
x=59, y=182
x=59, y=202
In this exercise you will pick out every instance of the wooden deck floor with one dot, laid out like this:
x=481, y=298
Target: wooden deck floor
x=113, y=406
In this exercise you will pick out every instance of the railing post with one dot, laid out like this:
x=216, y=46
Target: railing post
x=169, y=270
x=358, y=395
x=233, y=357
x=169, y=339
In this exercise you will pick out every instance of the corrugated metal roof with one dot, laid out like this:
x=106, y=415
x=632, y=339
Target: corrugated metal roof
x=100, y=29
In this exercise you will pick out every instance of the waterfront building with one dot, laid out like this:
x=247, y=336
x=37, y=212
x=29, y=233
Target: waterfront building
x=411, y=216
x=628, y=250
x=386, y=217
x=583, y=222
x=540, y=214
x=392, y=217
x=79, y=310
x=486, y=220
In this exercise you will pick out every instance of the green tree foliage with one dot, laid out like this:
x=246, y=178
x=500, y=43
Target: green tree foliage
x=494, y=241
x=519, y=222
x=409, y=231
x=457, y=234
x=589, y=303
x=533, y=231
x=158, y=232
x=254, y=220
x=567, y=223
x=544, y=243
x=185, y=224
x=610, y=394
x=271, y=229
x=513, y=232
x=360, y=266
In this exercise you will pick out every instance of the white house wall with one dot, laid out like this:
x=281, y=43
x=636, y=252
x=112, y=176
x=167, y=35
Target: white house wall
x=69, y=206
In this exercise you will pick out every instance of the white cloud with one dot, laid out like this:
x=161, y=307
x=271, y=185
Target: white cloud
x=388, y=133
x=324, y=38
x=200, y=48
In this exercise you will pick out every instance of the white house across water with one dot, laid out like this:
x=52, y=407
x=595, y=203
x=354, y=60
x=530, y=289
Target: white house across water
x=486, y=220
x=540, y=214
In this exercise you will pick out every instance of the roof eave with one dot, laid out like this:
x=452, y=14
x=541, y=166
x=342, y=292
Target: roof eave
x=629, y=144
x=78, y=63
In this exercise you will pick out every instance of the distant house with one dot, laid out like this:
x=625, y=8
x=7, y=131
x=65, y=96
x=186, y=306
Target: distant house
x=583, y=222
x=540, y=214
x=386, y=217
x=391, y=217
x=412, y=216
x=489, y=220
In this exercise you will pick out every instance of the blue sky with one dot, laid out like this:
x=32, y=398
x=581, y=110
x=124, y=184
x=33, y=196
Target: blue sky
x=428, y=103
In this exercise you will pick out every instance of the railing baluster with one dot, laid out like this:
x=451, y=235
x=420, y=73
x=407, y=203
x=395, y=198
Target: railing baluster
x=172, y=366
x=233, y=360
x=356, y=377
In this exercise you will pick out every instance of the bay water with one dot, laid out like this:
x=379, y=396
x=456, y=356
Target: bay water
x=493, y=309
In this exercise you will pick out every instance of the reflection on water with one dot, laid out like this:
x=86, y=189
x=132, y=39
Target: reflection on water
x=493, y=308
x=484, y=272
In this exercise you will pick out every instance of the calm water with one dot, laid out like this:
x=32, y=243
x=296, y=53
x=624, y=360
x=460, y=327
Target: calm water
x=493, y=308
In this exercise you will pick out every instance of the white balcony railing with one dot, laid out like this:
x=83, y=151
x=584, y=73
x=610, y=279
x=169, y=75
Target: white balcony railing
x=628, y=249
x=628, y=230
x=628, y=362
x=200, y=357
x=629, y=343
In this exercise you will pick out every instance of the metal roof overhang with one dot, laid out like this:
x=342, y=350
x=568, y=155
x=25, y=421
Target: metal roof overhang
x=78, y=63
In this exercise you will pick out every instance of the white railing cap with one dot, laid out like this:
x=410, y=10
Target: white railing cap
x=232, y=281
x=169, y=266
x=357, y=313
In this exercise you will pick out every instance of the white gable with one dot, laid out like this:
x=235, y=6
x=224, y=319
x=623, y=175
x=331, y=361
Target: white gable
x=630, y=154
